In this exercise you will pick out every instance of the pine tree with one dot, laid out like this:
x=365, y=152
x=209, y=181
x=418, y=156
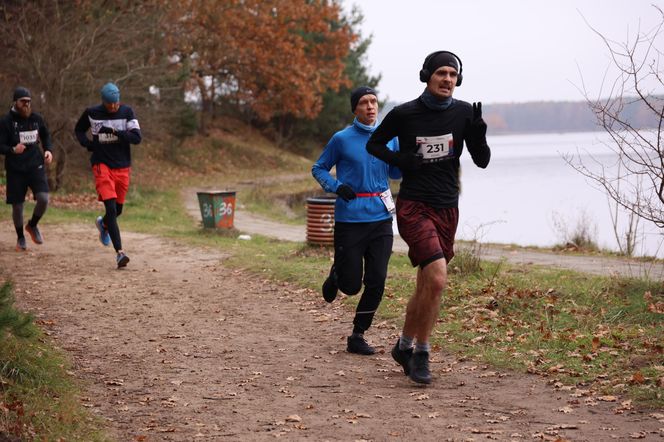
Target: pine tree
x=336, y=113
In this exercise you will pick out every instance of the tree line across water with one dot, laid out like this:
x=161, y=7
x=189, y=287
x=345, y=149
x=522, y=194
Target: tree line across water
x=570, y=116
x=555, y=116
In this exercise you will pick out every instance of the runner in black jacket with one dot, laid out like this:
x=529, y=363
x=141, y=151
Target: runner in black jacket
x=432, y=130
x=21, y=134
x=114, y=128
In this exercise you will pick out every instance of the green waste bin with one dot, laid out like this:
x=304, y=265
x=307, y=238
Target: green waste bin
x=217, y=208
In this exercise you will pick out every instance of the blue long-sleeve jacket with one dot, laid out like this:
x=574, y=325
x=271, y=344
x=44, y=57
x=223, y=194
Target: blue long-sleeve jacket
x=355, y=167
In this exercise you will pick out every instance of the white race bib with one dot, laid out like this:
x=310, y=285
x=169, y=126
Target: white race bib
x=435, y=148
x=386, y=198
x=107, y=138
x=28, y=136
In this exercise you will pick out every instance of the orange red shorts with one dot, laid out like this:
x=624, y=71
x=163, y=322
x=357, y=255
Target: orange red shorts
x=111, y=183
x=429, y=232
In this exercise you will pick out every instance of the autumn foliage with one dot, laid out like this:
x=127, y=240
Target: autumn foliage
x=270, y=57
x=273, y=63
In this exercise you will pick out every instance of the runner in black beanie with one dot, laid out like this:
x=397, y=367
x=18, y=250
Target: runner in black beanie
x=359, y=93
x=433, y=130
x=438, y=60
x=25, y=141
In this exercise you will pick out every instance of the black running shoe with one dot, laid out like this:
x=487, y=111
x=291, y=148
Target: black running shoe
x=122, y=259
x=402, y=357
x=21, y=246
x=419, y=367
x=34, y=233
x=357, y=345
x=330, y=288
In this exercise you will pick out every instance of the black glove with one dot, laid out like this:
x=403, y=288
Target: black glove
x=89, y=145
x=106, y=130
x=345, y=192
x=408, y=161
x=477, y=127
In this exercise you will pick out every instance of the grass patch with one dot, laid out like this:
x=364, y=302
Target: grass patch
x=38, y=399
x=584, y=330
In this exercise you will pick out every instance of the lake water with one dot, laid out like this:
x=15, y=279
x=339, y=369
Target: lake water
x=528, y=189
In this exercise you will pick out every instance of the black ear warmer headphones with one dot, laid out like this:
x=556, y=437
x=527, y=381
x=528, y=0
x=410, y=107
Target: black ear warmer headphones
x=425, y=75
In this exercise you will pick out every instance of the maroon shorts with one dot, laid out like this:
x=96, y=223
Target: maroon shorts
x=111, y=183
x=429, y=232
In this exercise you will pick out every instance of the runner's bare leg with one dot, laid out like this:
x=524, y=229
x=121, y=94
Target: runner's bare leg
x=423, y=307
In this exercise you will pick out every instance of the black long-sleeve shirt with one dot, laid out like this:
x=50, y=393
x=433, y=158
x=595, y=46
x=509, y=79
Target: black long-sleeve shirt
x=110, y=149
x=31, y=131
x=437, y=134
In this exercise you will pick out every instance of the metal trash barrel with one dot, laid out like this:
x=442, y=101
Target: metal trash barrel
x=217, y=208
x=320, y=220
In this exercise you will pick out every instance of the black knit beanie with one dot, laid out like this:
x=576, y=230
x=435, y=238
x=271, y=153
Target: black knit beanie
x=359, y=93
x=436, y=61
x=21, y=92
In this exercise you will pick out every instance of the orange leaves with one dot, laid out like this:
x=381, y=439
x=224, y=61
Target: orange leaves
x=638, y=378
x=596, y=343
x=275, y=57
x=653, y=307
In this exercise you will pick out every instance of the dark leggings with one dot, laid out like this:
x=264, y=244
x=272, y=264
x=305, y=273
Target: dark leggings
x=113, y=211
x=361, y=255
x=40, y=209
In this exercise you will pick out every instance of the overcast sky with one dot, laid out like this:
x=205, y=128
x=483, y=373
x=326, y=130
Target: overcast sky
x=512, y=50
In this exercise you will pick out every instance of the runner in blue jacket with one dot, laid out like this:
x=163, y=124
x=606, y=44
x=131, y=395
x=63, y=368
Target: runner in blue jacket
x=363, y=215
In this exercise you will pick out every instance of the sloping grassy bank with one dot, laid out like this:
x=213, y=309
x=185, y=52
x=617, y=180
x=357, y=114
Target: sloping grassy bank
x=39, y=400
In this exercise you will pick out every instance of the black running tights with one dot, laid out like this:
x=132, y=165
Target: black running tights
x=113, y=211
x=40, y=209
x=358, y=247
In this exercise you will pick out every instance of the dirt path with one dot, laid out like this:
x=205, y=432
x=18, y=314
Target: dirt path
x=178, y=347
x=599, y=265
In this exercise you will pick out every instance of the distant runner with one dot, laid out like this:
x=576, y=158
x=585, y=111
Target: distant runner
x=431, y=130
x=21, y=134
x=114, y=128
x=363, y=215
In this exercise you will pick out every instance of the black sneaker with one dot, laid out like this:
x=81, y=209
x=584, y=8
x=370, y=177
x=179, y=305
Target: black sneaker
x=419, y=367
x=330, y=288
x=402, y=357
x=357, y=345
x=21, y=246
x=34, y=233
x=122, y=259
